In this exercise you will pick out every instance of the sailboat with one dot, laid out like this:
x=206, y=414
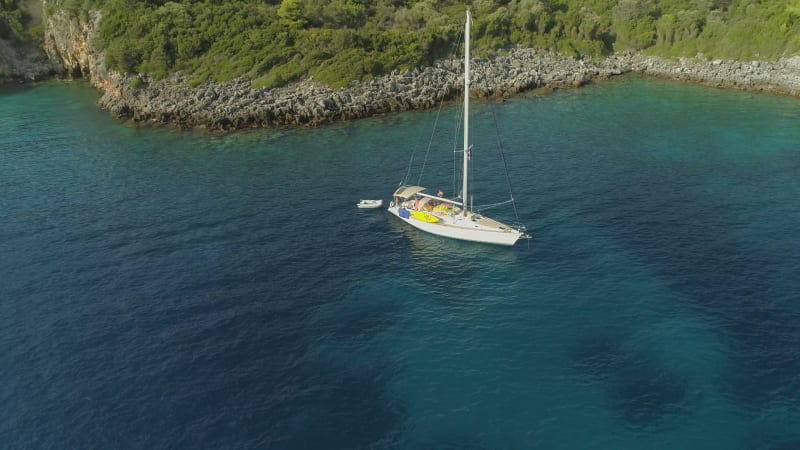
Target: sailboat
x=453, y=217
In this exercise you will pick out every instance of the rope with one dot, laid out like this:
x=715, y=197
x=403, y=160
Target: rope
x=480, y=208
x=503, y=157
x=430, y=143
x=408, y=171
x=435, y=125
x=410, y=162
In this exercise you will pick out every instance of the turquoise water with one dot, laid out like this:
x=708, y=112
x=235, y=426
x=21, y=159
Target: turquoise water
x=168, y=289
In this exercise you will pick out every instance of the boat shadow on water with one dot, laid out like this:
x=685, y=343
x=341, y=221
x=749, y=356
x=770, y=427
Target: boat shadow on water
x=458, y=271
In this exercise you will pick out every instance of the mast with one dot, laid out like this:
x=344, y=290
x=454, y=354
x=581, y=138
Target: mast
x=464, y=191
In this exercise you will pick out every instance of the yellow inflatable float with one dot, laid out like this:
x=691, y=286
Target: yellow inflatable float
x=424, y=216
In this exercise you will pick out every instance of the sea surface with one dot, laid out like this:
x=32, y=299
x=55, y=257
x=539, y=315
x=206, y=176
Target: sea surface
x=180, y=289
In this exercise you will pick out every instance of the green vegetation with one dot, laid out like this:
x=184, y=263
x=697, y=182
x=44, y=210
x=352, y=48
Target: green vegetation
x=274, y=42
x=17, y=25
x=334, y=42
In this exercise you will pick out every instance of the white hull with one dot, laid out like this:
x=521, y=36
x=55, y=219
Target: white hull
x=448, y=217
x=474, y=228
x=369, y=204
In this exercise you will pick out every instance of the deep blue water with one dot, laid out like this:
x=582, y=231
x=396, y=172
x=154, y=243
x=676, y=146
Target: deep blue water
x=166, y=289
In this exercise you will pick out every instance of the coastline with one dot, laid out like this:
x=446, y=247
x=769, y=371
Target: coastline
x=779, y=77
x=236, y=105
x=70, y=49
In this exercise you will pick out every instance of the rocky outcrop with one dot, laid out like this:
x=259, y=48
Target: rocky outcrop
x=235, y=104
x=27, y=63
x=782, y=76
x=71, y=42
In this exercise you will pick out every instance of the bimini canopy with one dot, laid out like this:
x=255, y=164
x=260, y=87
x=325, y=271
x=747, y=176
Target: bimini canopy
x=406, y=192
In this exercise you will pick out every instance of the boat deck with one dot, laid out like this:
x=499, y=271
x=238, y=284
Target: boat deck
x=454, y=218
x=484, y=221
x=473, y=227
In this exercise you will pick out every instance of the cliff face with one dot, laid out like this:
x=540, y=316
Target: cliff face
x=20, y=64
x=26, y=62
x=68, y=48
x=71, y=42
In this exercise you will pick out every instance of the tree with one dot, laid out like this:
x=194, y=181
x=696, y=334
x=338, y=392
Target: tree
x=634, y=24
x=291, y=14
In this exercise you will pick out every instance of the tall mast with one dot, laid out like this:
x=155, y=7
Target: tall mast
x=464, y=191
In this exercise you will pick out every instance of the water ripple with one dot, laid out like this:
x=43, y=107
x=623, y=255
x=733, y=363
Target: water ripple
x=166, y=289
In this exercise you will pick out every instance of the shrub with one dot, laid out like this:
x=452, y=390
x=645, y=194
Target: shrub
x=278, y=41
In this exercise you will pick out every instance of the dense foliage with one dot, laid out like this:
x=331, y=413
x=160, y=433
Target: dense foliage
x=16, y=24
x=336, y=41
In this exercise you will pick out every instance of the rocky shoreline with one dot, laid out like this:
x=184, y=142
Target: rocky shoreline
x=780, y=77
x=235, y=105
x=71, y=49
